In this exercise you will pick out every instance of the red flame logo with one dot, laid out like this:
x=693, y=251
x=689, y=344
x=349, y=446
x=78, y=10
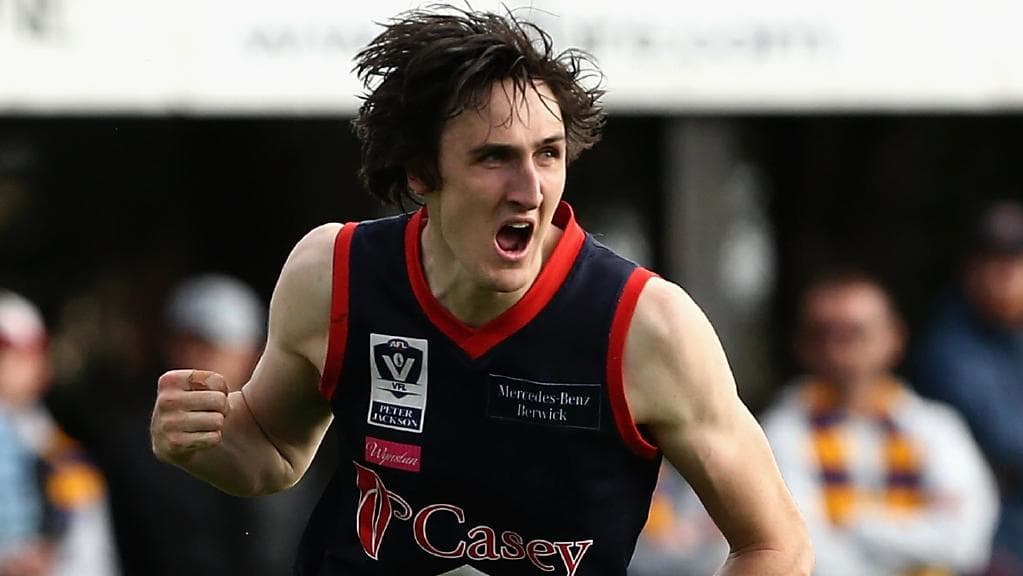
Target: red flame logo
x=375, y=509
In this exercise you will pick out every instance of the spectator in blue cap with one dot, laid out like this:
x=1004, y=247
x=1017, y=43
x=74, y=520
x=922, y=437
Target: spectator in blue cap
x=972, y=358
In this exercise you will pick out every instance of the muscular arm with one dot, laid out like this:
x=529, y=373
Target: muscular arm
x=262, y=438
x=679, y=385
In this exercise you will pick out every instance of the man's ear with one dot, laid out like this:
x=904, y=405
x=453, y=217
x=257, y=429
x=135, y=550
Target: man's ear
x=416, y=184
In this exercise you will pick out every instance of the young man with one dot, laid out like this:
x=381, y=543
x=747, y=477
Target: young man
x=504, y=385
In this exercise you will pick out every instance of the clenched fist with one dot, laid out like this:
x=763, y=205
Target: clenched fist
x=191, y=406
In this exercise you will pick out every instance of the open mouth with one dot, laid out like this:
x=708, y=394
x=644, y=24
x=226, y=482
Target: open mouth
x=513, y=239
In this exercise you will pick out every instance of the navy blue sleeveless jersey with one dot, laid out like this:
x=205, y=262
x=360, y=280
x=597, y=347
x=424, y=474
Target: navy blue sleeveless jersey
x=506, y=449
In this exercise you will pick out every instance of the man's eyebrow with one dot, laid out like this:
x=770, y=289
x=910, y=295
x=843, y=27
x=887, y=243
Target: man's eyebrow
x=491, y=148
x=495, y=148
x=551, y=140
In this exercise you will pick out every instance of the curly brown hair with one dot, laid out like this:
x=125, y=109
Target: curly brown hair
x=429, y=65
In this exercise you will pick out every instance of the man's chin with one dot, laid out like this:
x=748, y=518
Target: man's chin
x=509, y=281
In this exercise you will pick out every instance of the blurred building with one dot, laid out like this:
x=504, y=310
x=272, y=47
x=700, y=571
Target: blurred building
x=747, y=142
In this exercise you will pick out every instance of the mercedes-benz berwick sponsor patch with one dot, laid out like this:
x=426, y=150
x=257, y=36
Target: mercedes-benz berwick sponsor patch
x=398, y=369
x=551, y=404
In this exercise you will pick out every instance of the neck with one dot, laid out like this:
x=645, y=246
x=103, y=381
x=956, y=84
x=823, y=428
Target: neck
x=864, y=395
x=468, y=300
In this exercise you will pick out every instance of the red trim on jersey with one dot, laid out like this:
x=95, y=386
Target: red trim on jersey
x=615, y=369
x=337, y=334
x=476, y=342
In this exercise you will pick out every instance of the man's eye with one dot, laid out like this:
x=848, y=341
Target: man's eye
x=494, y=157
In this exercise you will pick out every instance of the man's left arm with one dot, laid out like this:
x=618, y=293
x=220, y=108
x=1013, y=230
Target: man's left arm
x=679, y=386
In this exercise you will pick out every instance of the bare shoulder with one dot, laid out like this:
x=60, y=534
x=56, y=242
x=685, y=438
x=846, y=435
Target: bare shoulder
x=312, y=256
x=674, y=363
x=663, y=308
x=300, y=308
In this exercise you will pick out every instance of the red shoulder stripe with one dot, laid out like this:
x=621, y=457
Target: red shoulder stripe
x=337, y=335
x=615, y=369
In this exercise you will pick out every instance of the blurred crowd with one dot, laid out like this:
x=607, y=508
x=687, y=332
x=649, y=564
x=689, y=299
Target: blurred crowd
x=904, y=451
x=101, y=504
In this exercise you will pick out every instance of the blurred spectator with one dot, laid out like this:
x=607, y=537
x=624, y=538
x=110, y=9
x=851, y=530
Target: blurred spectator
x=216, y=322
x=679, y=538
x=889, y=483
x=972, y=358
x=52, y=499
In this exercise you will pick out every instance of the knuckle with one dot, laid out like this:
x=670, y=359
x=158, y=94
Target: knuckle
x=171, y=422
x=167, y=403
x=175, y=443
x=171, y=379
x=180, y=443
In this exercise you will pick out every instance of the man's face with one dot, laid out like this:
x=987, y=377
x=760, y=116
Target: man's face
x=848, y=333
x=24, y=375
x=503, y=173
x=995, y=284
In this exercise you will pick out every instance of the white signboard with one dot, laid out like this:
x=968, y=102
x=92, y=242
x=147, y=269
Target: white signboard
x=273, y=57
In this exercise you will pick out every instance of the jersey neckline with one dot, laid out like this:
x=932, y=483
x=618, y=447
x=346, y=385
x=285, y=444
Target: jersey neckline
x=477, y=341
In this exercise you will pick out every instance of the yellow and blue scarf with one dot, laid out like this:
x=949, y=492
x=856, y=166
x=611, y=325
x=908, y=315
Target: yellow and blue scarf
x=903, y=492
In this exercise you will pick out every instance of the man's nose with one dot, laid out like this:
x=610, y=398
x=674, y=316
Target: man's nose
x=525, y=190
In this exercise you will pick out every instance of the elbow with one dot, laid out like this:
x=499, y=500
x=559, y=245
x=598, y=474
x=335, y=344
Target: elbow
x=272, y=484
x=804, y=562
x=278, y=484
x=251, y=486
x=283, y=477
x=804, y=556
x=237, y=490
x=792, y=556
x=252, y=489
x=800, y=553
x=792, y=550
x=239, y=487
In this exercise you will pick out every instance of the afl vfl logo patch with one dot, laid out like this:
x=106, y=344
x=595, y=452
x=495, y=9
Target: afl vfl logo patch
x=398, y=369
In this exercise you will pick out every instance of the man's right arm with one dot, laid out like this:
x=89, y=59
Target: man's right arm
x=262, y=438
x=683, y=391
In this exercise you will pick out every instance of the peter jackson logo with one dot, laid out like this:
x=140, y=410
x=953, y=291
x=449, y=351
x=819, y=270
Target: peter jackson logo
x=399, y=374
